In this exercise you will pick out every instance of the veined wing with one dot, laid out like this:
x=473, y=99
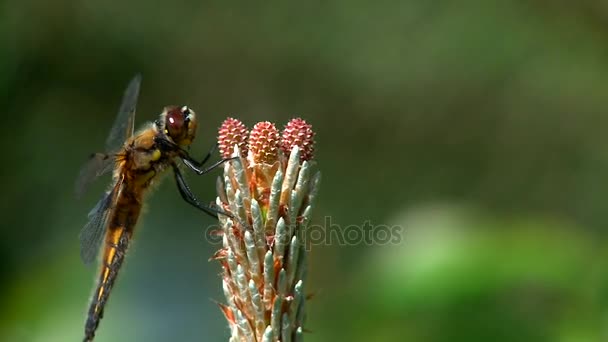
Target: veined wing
x=102, y=163
x=97, y=165
x=93, y=233
x=125, y=120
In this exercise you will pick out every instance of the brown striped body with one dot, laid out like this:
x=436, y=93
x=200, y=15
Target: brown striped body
x=137, y=167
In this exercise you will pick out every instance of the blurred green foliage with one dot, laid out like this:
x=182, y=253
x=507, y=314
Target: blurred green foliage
x=478, y=126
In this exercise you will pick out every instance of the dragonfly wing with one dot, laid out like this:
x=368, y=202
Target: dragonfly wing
x=93, y=233
x=98, y=165
x=123, y=127
x=125, y=120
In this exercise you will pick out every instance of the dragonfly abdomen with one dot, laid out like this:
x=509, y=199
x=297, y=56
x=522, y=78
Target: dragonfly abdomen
x=118, y=236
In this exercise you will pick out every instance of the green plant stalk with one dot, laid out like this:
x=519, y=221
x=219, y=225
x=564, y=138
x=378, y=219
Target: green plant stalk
x=264, y=254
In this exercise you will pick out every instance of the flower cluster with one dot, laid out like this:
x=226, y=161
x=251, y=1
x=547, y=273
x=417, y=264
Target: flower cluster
x=269, y=190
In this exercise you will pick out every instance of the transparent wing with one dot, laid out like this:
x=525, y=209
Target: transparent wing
x=102, y=163
x=125, y=120
x=93, y=233
x=97, y=165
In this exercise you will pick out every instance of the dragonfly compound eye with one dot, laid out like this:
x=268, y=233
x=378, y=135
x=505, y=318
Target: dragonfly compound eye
x=174, y=123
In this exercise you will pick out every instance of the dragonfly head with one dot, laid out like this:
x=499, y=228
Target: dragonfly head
x=179, y=124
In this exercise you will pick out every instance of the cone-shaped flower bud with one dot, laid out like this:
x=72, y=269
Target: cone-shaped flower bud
x=232, y=132
x=264, y=143
x=298, y=133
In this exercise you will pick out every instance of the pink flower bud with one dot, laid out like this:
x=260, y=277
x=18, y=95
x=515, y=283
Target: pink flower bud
x=232, y=132
x=264, y=143
x=298, y=132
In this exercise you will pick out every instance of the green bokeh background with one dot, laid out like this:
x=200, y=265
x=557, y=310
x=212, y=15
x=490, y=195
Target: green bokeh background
x=478, y=127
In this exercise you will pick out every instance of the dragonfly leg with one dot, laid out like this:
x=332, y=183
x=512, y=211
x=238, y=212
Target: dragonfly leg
x=190, y=162
x=189, y=197
x=211, y=151
x=196, y=167
x=200, y=164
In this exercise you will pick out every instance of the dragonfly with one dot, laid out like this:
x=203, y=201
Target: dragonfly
x=136, y=160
